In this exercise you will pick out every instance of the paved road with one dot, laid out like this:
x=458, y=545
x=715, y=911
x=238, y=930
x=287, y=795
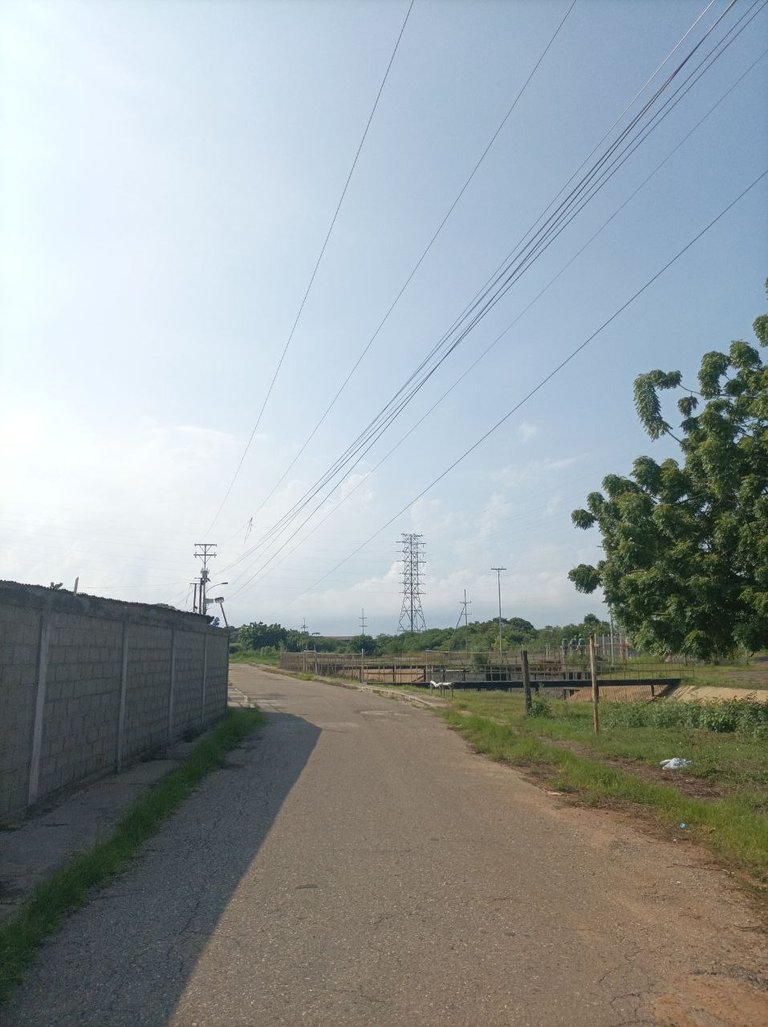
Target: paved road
x=356, y=864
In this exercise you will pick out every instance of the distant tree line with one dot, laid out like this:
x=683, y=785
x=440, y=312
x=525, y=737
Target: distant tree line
x=477, y=636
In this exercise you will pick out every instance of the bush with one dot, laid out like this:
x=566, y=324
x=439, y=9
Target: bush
x=540, y=706
x=746, y=716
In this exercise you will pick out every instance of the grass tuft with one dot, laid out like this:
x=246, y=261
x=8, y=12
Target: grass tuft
x=68, y=888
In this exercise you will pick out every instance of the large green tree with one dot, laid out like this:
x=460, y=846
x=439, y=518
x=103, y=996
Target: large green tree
x=686, y=542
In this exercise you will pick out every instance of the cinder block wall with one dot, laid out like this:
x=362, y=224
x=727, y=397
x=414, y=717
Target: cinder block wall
x=19, y=645
x=88, y=685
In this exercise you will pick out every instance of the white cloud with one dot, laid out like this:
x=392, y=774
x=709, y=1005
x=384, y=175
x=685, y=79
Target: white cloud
x=537, y=471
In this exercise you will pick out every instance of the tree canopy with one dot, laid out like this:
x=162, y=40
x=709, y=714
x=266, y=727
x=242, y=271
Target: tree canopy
x=686, y=542
x=477, y=636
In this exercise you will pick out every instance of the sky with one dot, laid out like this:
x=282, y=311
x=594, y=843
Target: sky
x=170, y=172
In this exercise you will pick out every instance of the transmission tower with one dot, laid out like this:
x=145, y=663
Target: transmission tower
x=411, y=613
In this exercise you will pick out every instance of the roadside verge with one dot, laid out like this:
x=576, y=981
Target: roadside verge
x=717, y=800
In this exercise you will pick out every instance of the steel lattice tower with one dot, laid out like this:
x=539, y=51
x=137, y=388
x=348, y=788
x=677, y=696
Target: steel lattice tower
x=411, y=613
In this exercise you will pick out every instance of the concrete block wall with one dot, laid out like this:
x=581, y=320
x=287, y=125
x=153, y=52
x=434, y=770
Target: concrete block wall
x=148, y=691
x=82, y=694
x=188, y=696
x=88, y=685
x=19, y=644
x=218, y=672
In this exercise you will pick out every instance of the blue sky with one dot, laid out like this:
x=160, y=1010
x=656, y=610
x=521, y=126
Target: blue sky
x=169, y=175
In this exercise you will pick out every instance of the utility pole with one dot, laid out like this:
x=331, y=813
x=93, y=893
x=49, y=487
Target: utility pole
x=203, y=551
x=498, y=578
x=464, y=605
x=362, y=623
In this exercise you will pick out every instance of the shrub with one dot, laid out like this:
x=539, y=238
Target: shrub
x=745, y=716
x=541, y=706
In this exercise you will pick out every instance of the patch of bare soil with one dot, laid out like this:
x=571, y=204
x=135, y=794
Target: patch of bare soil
x=715, y=1000
x=626, y=693
x=715, y=693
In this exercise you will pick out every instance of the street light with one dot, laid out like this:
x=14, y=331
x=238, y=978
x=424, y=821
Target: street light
x=204, y=600
x=220, y=601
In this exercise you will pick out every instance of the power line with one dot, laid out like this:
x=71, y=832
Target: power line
x=421, y=259
x=500, y=283
x=571, y=356
x=316, y=267
x=525, y=309
x=536, y=298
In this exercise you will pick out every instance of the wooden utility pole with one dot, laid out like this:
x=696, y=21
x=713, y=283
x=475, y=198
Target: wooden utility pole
x=526, y=681
x=595, y=685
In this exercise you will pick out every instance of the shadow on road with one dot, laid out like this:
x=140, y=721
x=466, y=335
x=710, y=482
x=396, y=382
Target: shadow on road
x=127, y=957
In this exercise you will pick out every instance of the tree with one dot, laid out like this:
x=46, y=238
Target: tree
x=258, y=635
x=686, y=543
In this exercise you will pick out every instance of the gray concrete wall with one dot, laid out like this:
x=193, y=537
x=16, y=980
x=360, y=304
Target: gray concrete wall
x=88, y=685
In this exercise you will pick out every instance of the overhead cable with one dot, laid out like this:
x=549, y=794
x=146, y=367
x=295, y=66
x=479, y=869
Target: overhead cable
x=511, y=268
x=314, y=270
x=420, y=261
x=537, y=388
x=403, y=438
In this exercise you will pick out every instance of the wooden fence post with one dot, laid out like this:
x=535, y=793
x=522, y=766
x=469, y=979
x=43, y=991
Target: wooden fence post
x=595, y=685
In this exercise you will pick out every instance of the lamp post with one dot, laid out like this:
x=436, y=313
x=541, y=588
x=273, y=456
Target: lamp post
x=498, y=578
x=219, y=599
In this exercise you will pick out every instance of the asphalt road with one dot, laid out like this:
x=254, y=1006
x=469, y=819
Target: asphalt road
x=356, y=864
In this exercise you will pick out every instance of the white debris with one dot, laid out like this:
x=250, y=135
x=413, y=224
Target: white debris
x=676, y=763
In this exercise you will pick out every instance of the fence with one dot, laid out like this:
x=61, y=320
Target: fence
x=89, y=685
x=457, y=666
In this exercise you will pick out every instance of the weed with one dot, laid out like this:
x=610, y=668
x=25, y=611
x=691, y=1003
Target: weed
x=743, y=715
x=541, y=706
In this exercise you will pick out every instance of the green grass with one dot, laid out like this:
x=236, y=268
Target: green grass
x=69, y=887
x=251, y=656
x=722, y=797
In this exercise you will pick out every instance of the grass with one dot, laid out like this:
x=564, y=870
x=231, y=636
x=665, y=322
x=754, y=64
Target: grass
x=251, y=656
x=722, y=798
x=68, y=888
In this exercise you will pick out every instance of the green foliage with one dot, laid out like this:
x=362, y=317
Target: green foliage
x=481, y=638
x=686, y=544
x=745, y=716
x=258, y=635
x=541, y=706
